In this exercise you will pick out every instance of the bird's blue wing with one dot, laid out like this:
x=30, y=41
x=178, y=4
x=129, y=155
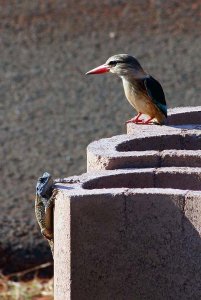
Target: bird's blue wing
x=155, y=92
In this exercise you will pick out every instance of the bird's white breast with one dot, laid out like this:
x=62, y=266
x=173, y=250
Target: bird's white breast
x=135, y=98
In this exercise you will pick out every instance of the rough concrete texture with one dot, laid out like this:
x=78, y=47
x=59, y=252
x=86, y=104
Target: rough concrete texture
x=134, y=232
x=50, y=111
x=124, y=243
x=152, y=145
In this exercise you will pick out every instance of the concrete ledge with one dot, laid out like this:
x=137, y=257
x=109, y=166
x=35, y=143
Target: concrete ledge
x=124, y=243
x=167, y=147
x=184, y=116
x=176, y=144
x=180, y=117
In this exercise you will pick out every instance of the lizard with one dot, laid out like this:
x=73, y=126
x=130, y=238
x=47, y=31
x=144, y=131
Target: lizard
x=44, y=206
x=46, y=192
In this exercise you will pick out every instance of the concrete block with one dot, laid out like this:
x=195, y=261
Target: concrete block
x=178, y=158
x=130, y=228
x=178, y=143
x=128, y=243
x=167, y=147
x=189, y=115
x=182, y=178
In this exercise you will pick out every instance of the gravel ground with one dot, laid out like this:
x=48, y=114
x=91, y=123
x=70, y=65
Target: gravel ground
x=50, y=111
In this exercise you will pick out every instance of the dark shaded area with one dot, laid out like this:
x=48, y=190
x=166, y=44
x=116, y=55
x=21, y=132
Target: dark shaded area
x=163, y=142
x=27, y=275
x=134, y=247
x=153, y=178
x=50, y=111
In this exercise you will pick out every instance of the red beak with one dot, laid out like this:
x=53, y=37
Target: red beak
x=101, y=69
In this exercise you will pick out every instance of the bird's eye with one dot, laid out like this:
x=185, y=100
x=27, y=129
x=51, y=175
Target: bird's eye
x=112, y=63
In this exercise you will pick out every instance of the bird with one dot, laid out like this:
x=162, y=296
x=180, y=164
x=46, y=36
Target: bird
x=142, y=90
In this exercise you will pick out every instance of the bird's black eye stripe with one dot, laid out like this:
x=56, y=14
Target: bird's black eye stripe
x=114, y=62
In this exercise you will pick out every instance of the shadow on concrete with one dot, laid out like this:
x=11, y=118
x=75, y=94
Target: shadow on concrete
x=162, y=142
x=134, y=246
x=184, y=119
x=164, y=178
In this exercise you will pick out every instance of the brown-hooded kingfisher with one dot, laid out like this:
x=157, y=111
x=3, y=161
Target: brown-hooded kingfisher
x=143, y=92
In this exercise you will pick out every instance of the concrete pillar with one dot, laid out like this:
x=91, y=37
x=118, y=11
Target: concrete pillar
x=130, y=227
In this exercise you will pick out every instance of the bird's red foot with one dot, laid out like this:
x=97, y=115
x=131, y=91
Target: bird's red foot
x=135, y=120
x=147, y=122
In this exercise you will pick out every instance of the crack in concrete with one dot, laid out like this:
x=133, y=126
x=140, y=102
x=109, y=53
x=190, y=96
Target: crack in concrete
x=183, y=217
x=155, y=172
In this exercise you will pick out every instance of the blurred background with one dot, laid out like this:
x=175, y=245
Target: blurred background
x=50, y=111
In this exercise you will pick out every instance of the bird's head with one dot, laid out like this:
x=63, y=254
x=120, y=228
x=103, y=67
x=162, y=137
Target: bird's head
x=120, y=64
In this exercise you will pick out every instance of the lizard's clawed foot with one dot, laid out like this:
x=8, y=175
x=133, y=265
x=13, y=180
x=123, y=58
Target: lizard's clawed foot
x=47, y=234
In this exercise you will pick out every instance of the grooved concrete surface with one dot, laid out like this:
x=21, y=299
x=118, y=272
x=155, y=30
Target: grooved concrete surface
x=176, y=144
x=124, y=243
x=50, y=111
x=127, y=231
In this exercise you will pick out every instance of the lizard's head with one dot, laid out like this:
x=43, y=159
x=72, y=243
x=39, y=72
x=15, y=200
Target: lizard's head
x=44, y=186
